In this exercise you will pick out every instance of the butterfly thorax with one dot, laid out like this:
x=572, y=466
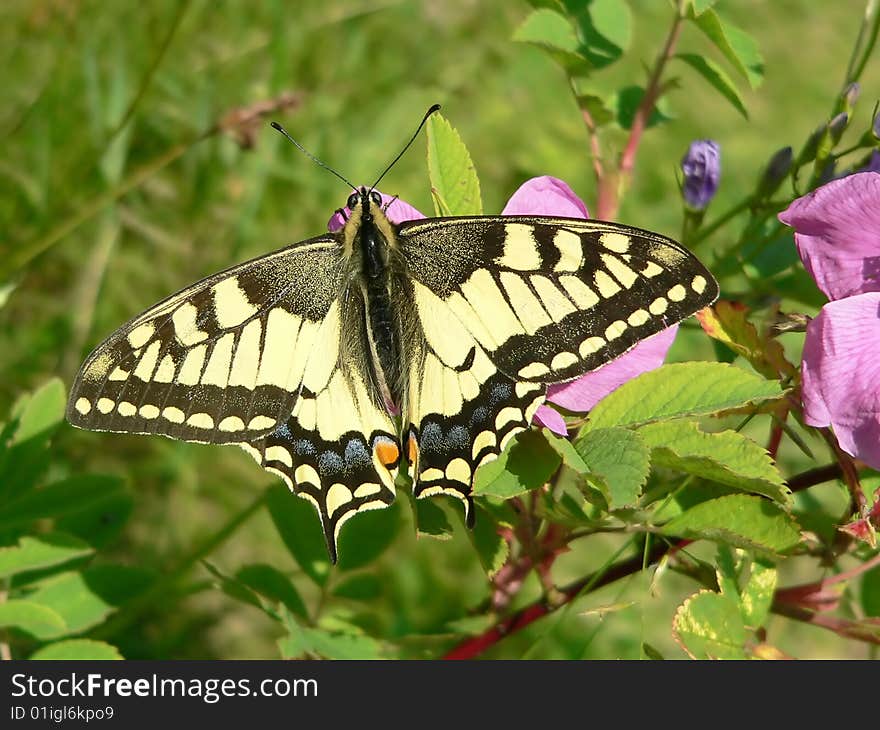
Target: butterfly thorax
x=371, y=242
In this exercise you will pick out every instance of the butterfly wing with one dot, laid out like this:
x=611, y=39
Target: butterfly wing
x=509, y=304
x=261, y=356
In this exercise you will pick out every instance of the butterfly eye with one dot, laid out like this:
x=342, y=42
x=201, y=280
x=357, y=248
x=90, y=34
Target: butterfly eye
x=376, y=198
x=352, y=201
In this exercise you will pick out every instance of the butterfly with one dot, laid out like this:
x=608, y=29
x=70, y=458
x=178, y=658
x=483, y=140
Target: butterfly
x=336, y=360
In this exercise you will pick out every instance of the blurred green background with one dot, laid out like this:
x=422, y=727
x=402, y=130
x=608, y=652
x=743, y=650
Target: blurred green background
x=99, y=96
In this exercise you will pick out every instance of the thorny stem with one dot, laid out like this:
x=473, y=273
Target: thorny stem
x=848, y=472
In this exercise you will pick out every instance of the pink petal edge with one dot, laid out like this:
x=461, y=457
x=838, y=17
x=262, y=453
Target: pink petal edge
x=545, y=195
x=841, y=370
x=837, y=233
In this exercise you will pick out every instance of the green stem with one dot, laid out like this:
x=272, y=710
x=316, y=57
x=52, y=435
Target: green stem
x=863, y=49
x=722, y=220
x=165, y=585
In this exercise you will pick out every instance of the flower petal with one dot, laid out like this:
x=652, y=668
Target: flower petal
x=582, y=394
x=546, y=416
x=545, y=196
x=398, y=211
x=841, y=373
x=837, y=232
x=701, y=167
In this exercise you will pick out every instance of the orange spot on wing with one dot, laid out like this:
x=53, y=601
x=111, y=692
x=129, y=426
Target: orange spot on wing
x=387, y=452
x=413, y=450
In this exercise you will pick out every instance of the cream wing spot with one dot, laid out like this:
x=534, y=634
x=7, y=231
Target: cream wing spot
x=638, y=318
x=149, y=412
x=651, y=270
x=337, y=496
x=520, y=248
x=118, y=374
x=534, y=370
x=173, y=414
x=231, y=304
x=615, y=330
x=246, y=361
x=620, y=270
x=200, y=420
x=591, y=345
x=605, y=284
x=165, y=372
x=105, y=405
x=147, y=363
x=555, y=302
x=571, y=253
x=525, y=304
x=658, y=306
x=617, y=242
x=580, y=293
x=126, y=409
x=306, y=474
x=677, y=293
x=260, y=423
x=484, y=440
x=510, y=414
x=459, y=470
x=83, y=406
x=699, y=284
x=279, y=453
x=217, y=370
x=191, y=369
x=140, y=335
x=231, y=423
x=366, y=489
x=185, y=327
x=281, y=348
x=563, y=360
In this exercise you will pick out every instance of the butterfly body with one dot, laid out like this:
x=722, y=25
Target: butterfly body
x=430, y=342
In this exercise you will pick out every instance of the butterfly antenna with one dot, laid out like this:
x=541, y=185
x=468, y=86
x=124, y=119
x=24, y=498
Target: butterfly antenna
x=308, y=154
x=428, y=113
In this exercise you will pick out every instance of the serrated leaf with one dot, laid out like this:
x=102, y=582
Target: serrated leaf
x=757, y=596
x=679, y=390
x=431, y=520
x=72, y=597
x=566, y=450
x=297, y=524
x=620, y=459
x=726, y=457
x=553, y=33
x=40, y=551
x=451, y=171
x=272, y=584
x=738, y=47
x=32, y=618
x=526, y=463
x=727, y=322
x=79, y=649
x=709, y=626
x=492, y=549
x=717, y=77
x=304, y=641
x=739, y=520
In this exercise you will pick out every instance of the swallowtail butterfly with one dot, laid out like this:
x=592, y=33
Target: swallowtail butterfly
x=334, y=360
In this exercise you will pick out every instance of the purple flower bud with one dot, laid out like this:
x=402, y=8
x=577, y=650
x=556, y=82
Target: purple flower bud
x=775, y=172
x=849, y=97
x=702, y=169
x=837, y=126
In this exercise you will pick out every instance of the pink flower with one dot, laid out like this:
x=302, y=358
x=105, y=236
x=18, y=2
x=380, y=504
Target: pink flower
x=552, y=197
x=837, y=233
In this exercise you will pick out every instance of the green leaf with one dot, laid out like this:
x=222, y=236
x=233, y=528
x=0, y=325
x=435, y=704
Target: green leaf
x=363, y=587
x=32, y=618
x=298, y=525
x=431, y=520
x=737, y=46
x=620, y=460
x=70, y=596
x=61, y=499
x=453, y=176
x=565, y=448
x=870, y=593
x=709, y=626
x=717, y=77
x=757, y=596
x=41, y=551
x=526, y=463
x=303, y=641
x=739, y=520
x=273, y=584
x=679, y=390
x=367, y=535
x=727, y=457
x=553, y=32
x=601, y=112
x=492, y=549
x=701, y=6
x=34, y=419
x=626, y=102
x=606, y=31
x=68, y=649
